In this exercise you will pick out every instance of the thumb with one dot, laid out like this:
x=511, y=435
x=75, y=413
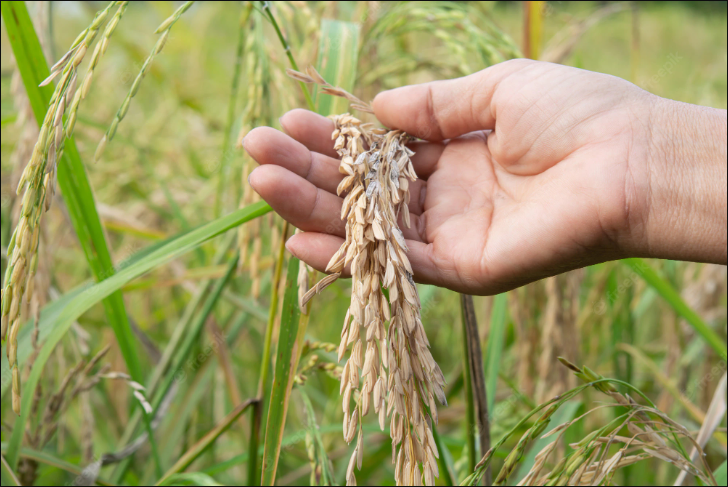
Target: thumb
x=445, y=109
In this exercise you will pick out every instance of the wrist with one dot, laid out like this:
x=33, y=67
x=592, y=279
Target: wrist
x=683, y=210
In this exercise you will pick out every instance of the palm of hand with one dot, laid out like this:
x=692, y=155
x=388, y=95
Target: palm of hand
x=546, y=191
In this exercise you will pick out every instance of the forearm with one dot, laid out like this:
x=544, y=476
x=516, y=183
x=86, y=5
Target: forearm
x=686, y=194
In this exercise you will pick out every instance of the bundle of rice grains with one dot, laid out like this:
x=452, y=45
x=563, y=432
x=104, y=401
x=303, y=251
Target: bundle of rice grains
x=390, y=368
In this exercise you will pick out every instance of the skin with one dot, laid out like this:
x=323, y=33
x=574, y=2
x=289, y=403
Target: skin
x=527, y=169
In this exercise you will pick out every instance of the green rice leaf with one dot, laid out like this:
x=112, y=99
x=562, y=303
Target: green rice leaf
x=337, y=63
x=285, y=371
x=720, y=475
x=496, y=339
x=7, y=474
x=673, y=298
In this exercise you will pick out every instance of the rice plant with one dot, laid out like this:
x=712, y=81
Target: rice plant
x=165, y=336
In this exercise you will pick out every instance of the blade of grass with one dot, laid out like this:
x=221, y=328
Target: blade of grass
x=86, y=300
x=193, y=336
x=284, y=374
x=198, y=390
x=322, y=459
x=337, y=63
x=495, y=346
x=673, y=298
x=201, y=446
x=720, y=475
x=533, y=28
x=226, y=156
x=266, y=7
x=8, y=476
x=256, y=417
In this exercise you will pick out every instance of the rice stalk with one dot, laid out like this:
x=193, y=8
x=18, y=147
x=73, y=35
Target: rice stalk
x=163, y=29
x=38, y=182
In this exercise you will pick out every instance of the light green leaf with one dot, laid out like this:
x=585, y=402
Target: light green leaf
x=7, y=474
x=337, y=63
x=496, y=338
x=674, y=299
x=720, y=475
x=286, y=364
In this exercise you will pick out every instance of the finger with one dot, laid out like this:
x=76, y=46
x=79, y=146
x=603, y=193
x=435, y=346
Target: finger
x=426, y=157
x=445, y=109
x=269, y=146
x=298, y=201
x=317, y=249
x=311, y=129
x=314, y=132
x=304, y=205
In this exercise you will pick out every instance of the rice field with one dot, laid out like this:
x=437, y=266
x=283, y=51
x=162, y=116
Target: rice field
x=156, y=331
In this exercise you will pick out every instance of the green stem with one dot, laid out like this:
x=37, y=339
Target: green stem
x=287, y=48
x=232, y=105
x=253, y=477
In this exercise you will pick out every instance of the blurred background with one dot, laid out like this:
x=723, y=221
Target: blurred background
x=175, y=163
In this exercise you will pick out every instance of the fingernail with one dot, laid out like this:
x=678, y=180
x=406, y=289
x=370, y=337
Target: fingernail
x=288, y=246
x=283, y=126
x=249, y=176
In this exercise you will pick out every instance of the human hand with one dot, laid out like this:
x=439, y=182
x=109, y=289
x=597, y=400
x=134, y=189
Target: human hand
x=527, y=169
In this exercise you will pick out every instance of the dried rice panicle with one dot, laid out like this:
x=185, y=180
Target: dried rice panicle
x=390, y=369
